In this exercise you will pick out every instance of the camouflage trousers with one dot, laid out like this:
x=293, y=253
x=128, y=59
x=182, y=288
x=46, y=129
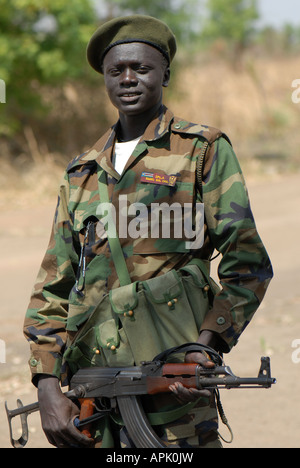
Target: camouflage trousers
x=196, y=429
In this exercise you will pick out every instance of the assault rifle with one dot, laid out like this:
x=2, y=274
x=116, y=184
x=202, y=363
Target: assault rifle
x=103, y=390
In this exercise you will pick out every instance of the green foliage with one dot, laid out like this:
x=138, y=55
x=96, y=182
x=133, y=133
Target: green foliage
x=232, y=21
x=42, y=43
x=276, y=41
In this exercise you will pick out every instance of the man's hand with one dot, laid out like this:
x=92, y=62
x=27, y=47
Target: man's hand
x=57, y=415
x=184, y=394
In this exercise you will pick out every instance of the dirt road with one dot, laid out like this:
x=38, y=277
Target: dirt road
x=259, y=418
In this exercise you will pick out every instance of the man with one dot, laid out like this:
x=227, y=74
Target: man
x=148, y=152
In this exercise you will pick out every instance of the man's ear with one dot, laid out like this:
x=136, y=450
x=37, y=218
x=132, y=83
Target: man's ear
x=166, y=77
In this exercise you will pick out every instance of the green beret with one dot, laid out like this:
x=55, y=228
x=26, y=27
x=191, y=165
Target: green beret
x=136, y=28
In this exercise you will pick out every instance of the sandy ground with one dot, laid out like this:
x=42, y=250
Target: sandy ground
x=259, y=418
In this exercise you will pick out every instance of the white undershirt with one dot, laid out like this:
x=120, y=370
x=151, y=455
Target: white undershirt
x=122, y=153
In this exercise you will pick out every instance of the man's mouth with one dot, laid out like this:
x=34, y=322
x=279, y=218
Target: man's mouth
x=129, y=97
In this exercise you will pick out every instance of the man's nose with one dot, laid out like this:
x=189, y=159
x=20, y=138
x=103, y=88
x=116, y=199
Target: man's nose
x=128, y=77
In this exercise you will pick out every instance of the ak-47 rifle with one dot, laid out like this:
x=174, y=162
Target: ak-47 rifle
x=122, y=387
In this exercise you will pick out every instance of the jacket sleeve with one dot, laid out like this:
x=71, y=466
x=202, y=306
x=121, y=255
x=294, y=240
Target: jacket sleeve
x=245, y=269
x=45, y=320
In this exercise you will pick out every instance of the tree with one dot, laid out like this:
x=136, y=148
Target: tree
x=233, y=21
x=42, y=46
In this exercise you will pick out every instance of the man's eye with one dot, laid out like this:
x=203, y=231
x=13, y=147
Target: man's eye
x=142, y=70
x=114, y=72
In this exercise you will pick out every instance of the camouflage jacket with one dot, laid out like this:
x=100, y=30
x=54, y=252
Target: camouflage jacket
x=169, y=148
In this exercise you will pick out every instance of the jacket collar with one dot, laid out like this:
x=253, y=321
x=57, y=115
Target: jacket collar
x=102, y=149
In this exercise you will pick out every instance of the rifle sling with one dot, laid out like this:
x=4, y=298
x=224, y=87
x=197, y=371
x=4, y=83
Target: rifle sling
x=161, y=417
x=165, y=417
x=114, y=242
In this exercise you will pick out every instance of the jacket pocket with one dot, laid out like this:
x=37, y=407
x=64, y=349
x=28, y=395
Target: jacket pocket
x=99, y=341
x=165, y=218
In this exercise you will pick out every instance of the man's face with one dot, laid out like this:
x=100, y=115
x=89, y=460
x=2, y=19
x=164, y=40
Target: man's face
x=134, y=74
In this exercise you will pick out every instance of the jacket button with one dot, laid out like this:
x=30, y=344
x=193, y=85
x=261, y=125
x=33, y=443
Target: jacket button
x=33, y=362
x=130, y=313
x=221, y=320
x=177, y=126
x=111, y=346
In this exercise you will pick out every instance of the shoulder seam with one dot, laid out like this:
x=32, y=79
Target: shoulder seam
x=209, y=133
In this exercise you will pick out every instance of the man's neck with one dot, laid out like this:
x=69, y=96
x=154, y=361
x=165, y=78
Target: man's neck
x=133, y=126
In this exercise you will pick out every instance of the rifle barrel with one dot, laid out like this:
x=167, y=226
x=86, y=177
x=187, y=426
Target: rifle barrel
x=235, y=382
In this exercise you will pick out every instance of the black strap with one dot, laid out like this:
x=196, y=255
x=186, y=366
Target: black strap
x=113, y=240
x=188, y=348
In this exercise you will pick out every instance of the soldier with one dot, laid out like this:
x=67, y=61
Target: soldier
x=76, y=317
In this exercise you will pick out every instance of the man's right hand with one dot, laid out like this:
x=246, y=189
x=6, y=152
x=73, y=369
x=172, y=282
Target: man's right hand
x=57, y=415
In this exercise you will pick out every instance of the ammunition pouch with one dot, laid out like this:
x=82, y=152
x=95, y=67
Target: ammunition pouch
x=139, y=320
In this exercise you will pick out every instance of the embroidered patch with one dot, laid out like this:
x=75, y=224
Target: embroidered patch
x=159, y=179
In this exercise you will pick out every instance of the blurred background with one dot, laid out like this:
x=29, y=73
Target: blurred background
x=234, y=69
x=237, y=68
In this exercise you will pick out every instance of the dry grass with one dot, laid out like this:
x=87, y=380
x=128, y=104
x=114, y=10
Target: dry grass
x=29, y=183
x=252, y=105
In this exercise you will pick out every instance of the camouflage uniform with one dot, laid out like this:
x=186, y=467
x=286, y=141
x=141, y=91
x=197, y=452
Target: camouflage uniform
x=170, y=146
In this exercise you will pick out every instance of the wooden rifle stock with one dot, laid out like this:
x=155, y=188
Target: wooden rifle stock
x=171, y=373
x=87, y=408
